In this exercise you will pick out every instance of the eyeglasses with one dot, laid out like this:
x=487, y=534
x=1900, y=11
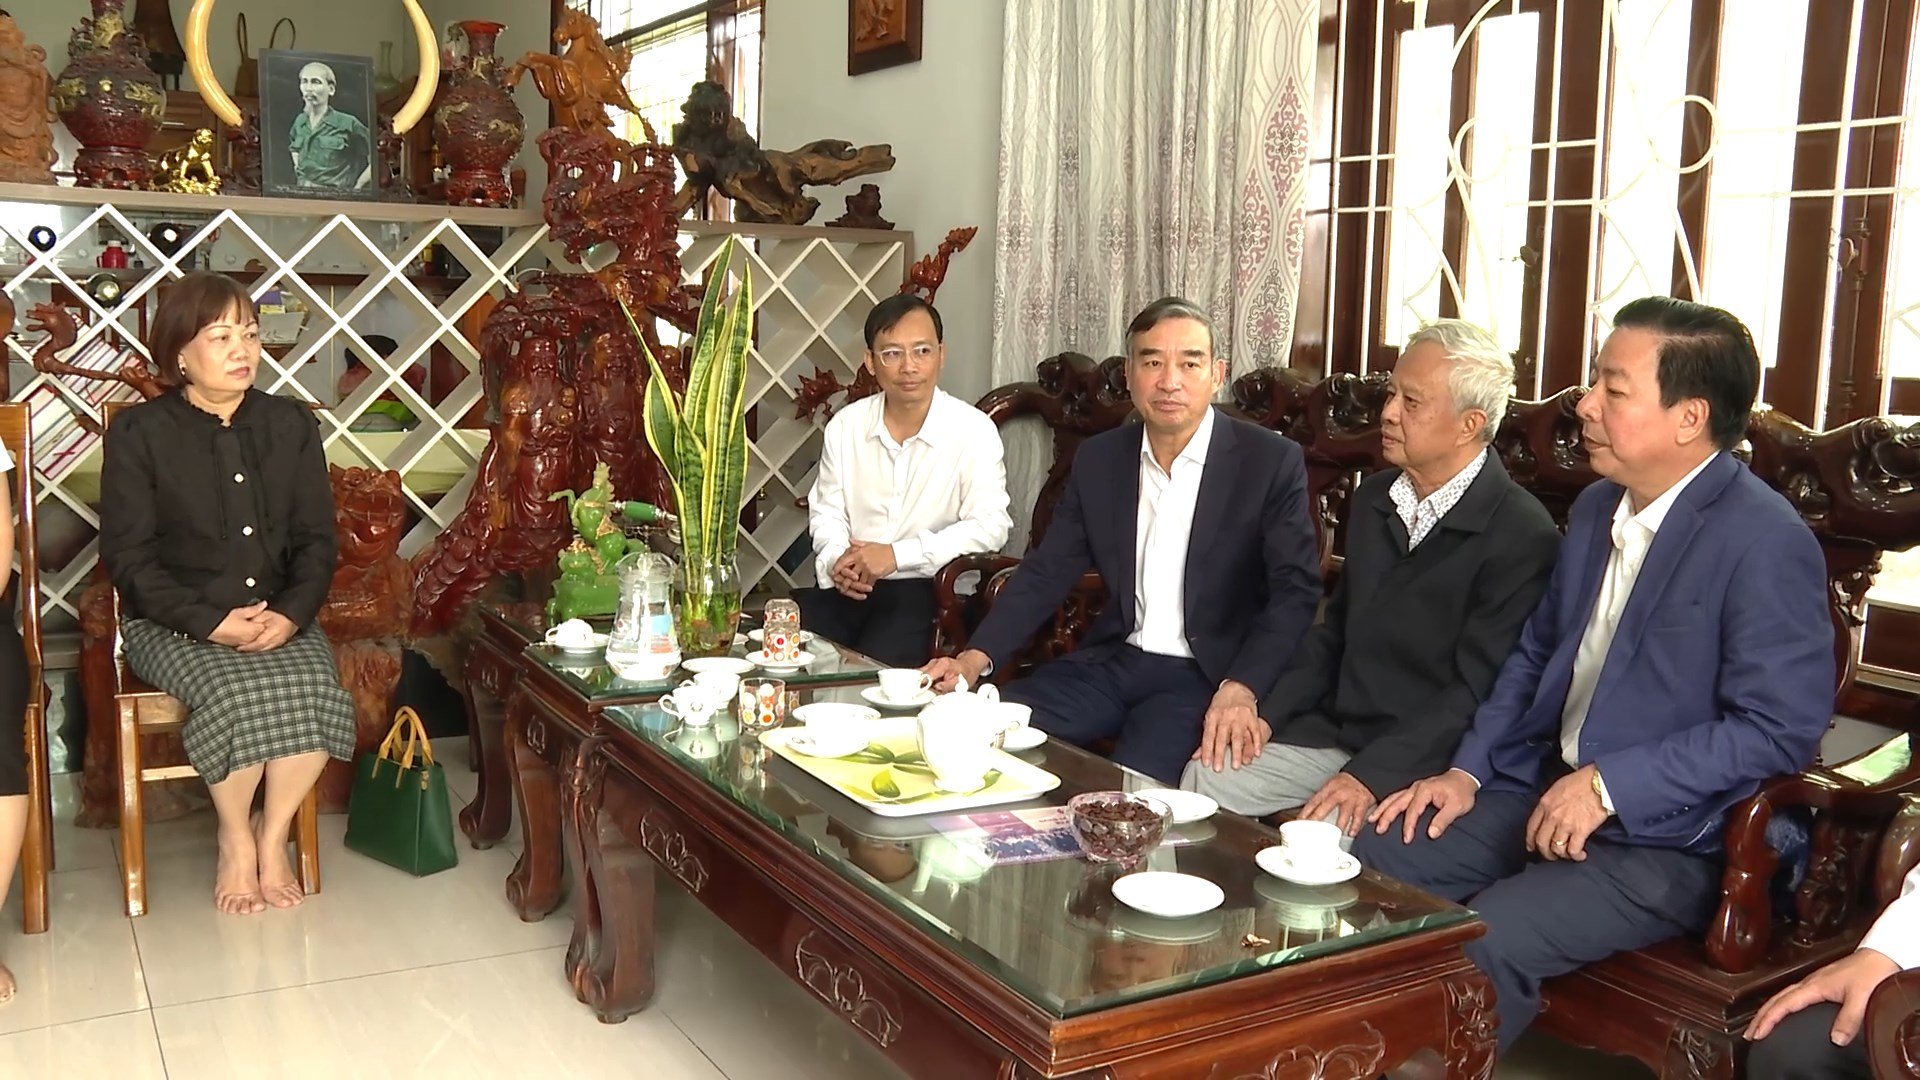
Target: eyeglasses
x=922, y=354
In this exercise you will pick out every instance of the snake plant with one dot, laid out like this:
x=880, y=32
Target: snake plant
x=701, y=439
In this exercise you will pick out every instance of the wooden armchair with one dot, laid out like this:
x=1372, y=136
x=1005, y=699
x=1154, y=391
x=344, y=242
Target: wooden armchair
x=143, y=712
x=36, y=855
x=1892, y=1027
x=1678, y=1006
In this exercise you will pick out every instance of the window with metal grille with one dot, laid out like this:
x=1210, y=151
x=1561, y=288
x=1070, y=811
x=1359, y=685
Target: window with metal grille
x=1532, y=165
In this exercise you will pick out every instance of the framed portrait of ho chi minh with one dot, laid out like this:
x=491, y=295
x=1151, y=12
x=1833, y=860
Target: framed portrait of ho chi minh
x=882, y=34
x=318, y=125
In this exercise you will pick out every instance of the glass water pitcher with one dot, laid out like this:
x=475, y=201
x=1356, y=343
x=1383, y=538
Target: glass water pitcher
x=642, y=646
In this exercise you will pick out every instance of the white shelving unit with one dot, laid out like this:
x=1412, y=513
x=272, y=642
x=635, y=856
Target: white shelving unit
x=357, y=268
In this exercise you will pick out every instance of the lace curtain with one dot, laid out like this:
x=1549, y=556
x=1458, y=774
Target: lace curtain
x=1148, y=149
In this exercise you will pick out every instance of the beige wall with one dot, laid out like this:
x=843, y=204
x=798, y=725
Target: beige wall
x=942, y=116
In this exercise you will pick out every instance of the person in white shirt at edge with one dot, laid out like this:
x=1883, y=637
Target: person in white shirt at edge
x=1198, y=523
x=1681, y=656
x=1811, y=1030
x=910, y=479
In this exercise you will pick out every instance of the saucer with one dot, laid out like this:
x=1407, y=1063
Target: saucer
x=598, y=643
x=758, y=658
x=1168, y=895
x=1279, y=862
x=732, y=665
x=1188, y=931
x=873, y=694
x=1026, y=738
x=834, y=713
x=1187, y=806
x=827, y=742
x=756, y=636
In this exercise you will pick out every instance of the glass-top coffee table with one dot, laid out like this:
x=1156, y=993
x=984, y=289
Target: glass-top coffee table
x=959, y=962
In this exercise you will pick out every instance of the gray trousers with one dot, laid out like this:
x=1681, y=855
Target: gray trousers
x=1281, y=778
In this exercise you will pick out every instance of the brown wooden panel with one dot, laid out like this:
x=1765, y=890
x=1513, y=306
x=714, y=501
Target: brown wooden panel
x=1565, y=241
x=1873, y=153
x=1792, y=386
x=1696, y=135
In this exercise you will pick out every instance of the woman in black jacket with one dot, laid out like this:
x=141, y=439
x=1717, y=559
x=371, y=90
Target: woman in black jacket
x=216, y=526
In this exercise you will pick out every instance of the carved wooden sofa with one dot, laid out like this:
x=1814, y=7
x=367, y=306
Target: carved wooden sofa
x=1680, y=1005
x=1892, y=1027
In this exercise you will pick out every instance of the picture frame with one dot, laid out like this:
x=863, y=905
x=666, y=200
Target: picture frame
x=883, y=34
x=339, y=160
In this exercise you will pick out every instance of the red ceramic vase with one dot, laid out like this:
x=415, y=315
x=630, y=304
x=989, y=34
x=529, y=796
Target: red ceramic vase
x=477, y=126
x=110, y=100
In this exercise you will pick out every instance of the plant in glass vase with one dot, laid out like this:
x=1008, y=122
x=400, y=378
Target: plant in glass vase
x=701, y=439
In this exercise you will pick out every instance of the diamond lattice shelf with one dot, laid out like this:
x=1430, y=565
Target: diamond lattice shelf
x=399, y=289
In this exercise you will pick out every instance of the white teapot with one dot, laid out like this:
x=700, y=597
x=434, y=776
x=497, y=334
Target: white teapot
x=958, y=734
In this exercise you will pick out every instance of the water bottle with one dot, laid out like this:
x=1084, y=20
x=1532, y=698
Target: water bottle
x=642, y=646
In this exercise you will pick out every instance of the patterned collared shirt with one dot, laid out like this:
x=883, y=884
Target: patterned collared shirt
x=1421, y=515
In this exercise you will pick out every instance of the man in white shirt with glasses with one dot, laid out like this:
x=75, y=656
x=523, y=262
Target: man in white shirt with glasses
x=910, y=478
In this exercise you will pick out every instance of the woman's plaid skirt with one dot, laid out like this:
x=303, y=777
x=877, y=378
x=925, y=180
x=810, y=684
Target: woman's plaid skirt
x=247, y=708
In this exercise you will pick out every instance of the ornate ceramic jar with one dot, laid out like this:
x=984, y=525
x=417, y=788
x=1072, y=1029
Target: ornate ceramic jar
x=110, y=100
x=477, y=127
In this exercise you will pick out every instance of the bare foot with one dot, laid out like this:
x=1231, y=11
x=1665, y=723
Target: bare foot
x=236, y=883
x=277, y=882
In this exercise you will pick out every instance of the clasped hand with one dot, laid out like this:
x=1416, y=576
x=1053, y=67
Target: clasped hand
x=1233, y=734
x=864, y=563
x=253, y=629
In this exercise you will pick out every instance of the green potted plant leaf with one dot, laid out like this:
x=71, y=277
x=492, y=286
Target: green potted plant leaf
x=701, y=439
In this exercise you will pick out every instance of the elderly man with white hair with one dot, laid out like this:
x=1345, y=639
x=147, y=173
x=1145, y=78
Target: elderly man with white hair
x=1446, y=557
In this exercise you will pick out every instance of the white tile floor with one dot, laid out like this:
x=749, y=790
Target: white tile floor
x=385, y=975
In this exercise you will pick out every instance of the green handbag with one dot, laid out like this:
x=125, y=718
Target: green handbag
x=398, y=812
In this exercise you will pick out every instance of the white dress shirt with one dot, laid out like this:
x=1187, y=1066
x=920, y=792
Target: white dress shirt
x=1896, y=933
x=1421, y=515
x=939, y=494
x=1632, y=536
x=1160, y=540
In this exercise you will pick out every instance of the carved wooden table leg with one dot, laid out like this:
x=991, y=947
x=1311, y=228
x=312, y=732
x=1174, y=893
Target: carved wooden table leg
x=1471, y=1024
x=486, y=818
x=615, y=974
x=533, y=888
x=579, y=809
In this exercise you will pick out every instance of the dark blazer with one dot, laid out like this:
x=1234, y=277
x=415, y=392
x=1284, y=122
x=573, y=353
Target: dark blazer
x=165, y=536
x=1252, y=572
x=1720, y=674
x=1412, y=641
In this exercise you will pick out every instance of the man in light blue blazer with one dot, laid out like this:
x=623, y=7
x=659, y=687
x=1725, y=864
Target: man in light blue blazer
x=1682, y=655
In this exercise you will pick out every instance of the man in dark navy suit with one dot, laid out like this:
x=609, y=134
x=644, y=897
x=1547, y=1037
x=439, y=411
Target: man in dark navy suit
x=1682, y=655
x=1198, y=523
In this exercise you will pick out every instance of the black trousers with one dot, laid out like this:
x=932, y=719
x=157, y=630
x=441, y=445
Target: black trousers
x=894, y=624
x=1800, y=1048
x=13, y=708
x=1153, y=706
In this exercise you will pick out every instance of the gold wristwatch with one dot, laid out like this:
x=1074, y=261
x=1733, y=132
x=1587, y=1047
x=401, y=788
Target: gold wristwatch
x=1599, y=791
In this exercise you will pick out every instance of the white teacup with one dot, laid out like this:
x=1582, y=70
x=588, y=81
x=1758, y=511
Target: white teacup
x=904, y=684
x=725, y=685
x=691, y=703
x=572, y=634
x=1312, y=845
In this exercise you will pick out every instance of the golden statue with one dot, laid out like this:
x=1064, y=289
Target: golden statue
x=586, y=77
x=189, y=169
x=26, y=120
